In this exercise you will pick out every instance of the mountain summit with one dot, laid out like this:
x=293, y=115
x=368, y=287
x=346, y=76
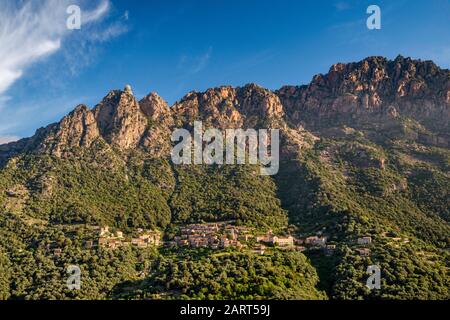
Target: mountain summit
x=374, y=90
x=373, y=87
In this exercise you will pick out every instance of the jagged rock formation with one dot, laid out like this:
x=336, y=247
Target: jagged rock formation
x=228, y=107
x=374, y=91
x=156, y=139
x=77, y=130
x=154, y=107
x=120, y=119
x=374, y=87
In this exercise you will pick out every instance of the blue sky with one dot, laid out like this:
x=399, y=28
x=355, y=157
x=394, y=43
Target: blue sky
x=173, y=47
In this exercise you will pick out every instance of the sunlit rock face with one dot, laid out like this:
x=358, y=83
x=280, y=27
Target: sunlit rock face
x=374, y=93
x=375, y=86
x=120, y=119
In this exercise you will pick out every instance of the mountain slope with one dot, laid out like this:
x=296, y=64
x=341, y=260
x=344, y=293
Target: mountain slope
x=364, y=152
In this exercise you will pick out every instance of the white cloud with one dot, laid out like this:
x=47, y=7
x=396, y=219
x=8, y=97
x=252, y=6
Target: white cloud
x=194, y=64
x=97, y=13
x=112, y=31
x=8, y=139
x=202, y=61
x=15, y=121
x=342, y=5
x=33, y=30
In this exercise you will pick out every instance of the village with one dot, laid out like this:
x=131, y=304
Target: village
x=108, y=239
x=222, y=235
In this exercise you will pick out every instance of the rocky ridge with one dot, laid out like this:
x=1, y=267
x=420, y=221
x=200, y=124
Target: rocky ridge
x=370, y=91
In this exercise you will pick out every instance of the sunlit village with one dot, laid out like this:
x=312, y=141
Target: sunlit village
x=219, y=236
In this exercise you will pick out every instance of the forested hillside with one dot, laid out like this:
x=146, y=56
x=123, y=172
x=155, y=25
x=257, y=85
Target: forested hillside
x=364, y=153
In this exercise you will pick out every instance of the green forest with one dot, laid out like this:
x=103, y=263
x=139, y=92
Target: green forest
x=392, y=191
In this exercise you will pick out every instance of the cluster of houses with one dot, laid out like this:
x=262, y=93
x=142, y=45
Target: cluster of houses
x=364, y=241
x=276, y=240
x=317, y=242
x=223, y=235
x=362, y=250
x=212, y=235
x=108, y=239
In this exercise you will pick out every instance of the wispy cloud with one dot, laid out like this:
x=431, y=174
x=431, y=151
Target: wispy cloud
x=342, y=5
x=8, y=139
x=191, y=65
x=14, y=121
x=33, y=30
x=253, y=60
x=96, y=14
x=202, y=61
x=126, y=15
x=188, y=67
x=112, y=31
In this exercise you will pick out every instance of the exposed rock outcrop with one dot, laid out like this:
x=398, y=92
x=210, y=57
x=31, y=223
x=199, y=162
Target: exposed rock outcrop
x=374, y=87
x=228, y=107
x=78, y=129
x=156, y=139
x=154, y=107
x=120, y=120
x=374, y=93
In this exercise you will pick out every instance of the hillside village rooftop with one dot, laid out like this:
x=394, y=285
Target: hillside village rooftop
x=217, y=235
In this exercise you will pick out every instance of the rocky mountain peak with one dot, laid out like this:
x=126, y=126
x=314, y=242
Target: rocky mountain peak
x=227, y=107
x=77, y=129
x=154, y=106
x=128, y=89
x=400, y=77
x=216, y=107
x=374, y=89
x=120, y=119
x=255, y=100
x=415, y=88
